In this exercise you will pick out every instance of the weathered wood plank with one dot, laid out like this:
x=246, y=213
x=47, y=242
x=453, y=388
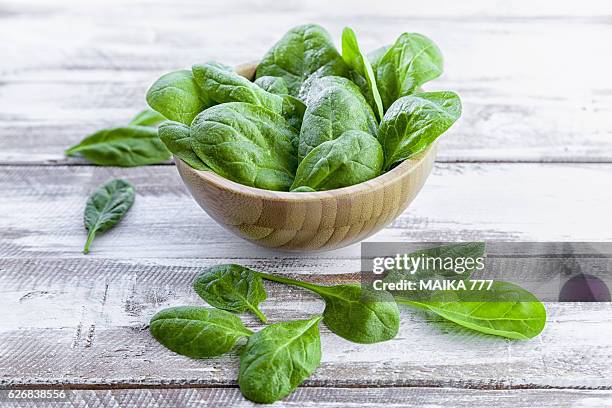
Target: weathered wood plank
x=332, y=397
x=522, y=103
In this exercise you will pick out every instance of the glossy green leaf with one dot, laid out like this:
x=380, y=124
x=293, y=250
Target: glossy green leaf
x=278, y=358
x=177, y=97
x=361, y=71
x=231, y=287
x=106, y=207
x=414, y=122
x=334, y=106
x=246, y=143
x=197, y=332
x=123, y=146
x=177, y=138
x=352, y=158
x=275, y=85
x=147, y=117
x=302, y=51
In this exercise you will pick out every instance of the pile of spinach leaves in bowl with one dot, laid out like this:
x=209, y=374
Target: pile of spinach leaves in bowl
x=314, y=118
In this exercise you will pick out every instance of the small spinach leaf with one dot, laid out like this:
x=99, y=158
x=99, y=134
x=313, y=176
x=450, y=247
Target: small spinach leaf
x=147, y=117
x=352, y=158
x=177, y=96
x=197, y=332
x=275, y=85
x=246, y=143
x=123, y=146
x=334, y=105
x=106, y=207
x=414, y=122
x=361, y=71
x=177, y=138
x=231, y=287
x=410, y=62
x=302, y=51
x=278, y=358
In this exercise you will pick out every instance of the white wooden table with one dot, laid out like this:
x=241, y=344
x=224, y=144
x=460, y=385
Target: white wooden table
x=531, y=160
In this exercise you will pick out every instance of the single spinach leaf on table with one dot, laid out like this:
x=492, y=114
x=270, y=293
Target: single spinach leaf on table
x=197, y=332
x=334, y=106
x=231, y=287
x=352, y=158
x=302, y=51
x=278, y=358
x=275, y=85
x=177, y=138
x=406, y=65
x=246, y=143
x=507, y=310
x=361, y=71
x=414, y=122
x=106, y=207
x=147, y=117
x=177, y=96
x=123, y=146
x=223, y=86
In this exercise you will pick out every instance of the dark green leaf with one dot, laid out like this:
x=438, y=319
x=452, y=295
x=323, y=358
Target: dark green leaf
x=123, y=146
x=147, y=117
x=275, y=85
x=177, y=138
x=177, y=96
x=414, y=122
x=231, y=287
x=197, y=332
x=302, y=51
x=277, y=359
x=106, y=206
x=352, y=158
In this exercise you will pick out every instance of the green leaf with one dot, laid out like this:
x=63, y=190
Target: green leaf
x=293, y=111
x=302, y=51
x=177, y=96
x=334, y=105
x=352, y=158
x=278, y=358
x=177, y=138
x=231, y=287
x=224, y=86
x=106, y=207
x=361, y=71
x=246, y=143
x=197, y=332
x=410, y=62
x=414, y=122
x=123, y=146
x=375, y=56
x=352, y=313
x=303, y=189
x=275, y=85
x=147, y=117
x=506, y=310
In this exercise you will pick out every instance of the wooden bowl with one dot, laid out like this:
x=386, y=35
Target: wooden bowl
x=303, y=222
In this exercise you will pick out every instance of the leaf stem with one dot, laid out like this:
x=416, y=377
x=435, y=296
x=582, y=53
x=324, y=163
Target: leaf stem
x=90, y=237
x=259, y=314
x=287, y=281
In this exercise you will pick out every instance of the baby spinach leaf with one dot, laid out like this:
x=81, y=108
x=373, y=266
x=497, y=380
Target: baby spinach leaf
x=147, y=117
x=303, y=189
x=224, y=86
x=177, y=96
x=106, y=207
x=410, y=62
x=246, y=143
x=278, y=358
x=334, y=105
x=275, y=85
x=197, y=332
x=302, y=51
x=352, y=158
x=123, y=146
x=352, y=313
x=414, y=122
x=231, y=287
x=507, y=310
x=361, y=71
x=177, y=138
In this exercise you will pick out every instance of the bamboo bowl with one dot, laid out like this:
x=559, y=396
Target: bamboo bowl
x=302, y=222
